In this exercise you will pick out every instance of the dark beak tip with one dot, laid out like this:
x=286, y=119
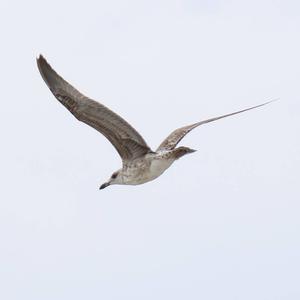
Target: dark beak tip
x=103, y=186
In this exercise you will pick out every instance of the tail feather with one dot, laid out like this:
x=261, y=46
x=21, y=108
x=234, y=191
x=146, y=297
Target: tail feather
x=181, y=151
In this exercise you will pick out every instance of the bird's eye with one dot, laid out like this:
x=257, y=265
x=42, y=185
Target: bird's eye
x=113, y=176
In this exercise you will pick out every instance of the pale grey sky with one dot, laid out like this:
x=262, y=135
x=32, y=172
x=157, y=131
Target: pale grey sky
x=222, y=223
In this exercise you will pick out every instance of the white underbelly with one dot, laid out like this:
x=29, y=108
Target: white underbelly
x=158, y=166
x=139, y=174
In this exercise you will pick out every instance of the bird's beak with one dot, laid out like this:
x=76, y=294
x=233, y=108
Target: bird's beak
x=104, y=185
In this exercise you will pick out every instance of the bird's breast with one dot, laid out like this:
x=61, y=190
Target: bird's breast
x=146, y=170
x=158, y=166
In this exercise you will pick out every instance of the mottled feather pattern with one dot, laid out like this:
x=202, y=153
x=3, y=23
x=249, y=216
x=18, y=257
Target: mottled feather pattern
x=177, y=135
x=140, y=163
x=127, y=141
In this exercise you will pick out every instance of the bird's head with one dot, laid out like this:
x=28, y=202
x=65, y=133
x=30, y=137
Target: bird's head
x=115, y=178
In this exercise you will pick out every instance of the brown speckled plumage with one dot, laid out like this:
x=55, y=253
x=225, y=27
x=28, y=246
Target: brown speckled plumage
x=140, y=163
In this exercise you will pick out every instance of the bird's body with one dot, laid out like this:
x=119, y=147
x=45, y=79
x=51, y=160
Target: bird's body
x=149, y=167
x=140, y=163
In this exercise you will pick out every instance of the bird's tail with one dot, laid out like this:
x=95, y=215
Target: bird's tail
x=181, y=151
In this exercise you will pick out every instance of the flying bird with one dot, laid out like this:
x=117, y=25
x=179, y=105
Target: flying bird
x=139, y=163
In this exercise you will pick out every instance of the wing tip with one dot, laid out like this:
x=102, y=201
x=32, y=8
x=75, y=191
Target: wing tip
x=50, y=77
x=40, y=60
x=270, y=101
x=42, y=63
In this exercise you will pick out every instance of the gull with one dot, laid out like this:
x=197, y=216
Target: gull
x=139, y=163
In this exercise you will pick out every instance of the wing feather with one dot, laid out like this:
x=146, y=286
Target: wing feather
x=127, y=141
x=177, y=135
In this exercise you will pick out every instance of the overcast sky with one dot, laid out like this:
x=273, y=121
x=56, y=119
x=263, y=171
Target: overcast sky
x=222, y=223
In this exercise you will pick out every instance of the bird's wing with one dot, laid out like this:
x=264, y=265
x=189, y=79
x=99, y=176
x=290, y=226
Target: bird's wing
x=177, y=135
x=127, y=141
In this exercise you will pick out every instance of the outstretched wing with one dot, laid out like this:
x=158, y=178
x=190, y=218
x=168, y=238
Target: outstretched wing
x=127, y=141
x=177, y=135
